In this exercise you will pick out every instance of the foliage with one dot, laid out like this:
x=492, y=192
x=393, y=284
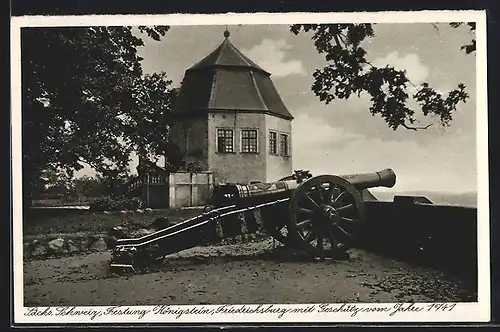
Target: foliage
x=175, y=160
x=87, y=186
x=188, y=164
x=63, y=186
x=86, y=100
x=116, y=204
x=192, y=165
x=114, y=183
x=349, y=73
x=471, y=47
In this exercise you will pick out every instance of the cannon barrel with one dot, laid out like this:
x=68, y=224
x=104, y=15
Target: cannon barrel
x=226, y=193
x=383, y=178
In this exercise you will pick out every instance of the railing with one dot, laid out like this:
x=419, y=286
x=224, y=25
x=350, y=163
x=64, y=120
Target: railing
x=139, y=181
x=156, y=179
x=174, y=190
x=134, y=184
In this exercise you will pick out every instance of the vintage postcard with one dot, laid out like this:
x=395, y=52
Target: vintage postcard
x=250, y=168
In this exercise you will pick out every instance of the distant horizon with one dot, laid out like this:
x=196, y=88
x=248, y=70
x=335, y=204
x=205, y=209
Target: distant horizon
x=469, y=199
x=378, y=190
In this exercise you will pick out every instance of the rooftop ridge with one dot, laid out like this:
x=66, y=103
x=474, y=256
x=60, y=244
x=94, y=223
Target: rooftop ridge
x=226, y=55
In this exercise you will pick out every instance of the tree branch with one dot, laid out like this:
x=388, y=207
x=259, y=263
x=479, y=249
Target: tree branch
x=404, y=125
x=435, y=27
x=336, y=37
x=341, y=37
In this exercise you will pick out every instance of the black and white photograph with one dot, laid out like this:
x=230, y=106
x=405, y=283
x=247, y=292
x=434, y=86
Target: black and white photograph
x=234, y=167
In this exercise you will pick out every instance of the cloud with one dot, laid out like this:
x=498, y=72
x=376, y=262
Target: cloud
x=416, y=71
x=270, y=55
x=445, y=165
x=314, y=132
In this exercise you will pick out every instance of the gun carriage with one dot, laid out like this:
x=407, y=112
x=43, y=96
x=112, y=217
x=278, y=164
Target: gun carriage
x=319, y=215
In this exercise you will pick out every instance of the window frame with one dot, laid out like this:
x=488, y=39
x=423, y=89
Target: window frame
x=257, y=148
x=287, y=153
x=217, y=147
x=276, y=142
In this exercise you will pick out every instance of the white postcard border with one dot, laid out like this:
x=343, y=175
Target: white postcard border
x=462, y=312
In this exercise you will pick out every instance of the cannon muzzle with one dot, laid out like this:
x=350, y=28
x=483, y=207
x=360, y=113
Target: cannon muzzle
x=384, y=178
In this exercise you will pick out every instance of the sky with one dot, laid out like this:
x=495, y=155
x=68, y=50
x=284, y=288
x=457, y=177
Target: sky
x=343, y=137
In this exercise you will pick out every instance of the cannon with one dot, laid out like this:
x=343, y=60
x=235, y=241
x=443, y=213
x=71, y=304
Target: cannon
x=319, y=215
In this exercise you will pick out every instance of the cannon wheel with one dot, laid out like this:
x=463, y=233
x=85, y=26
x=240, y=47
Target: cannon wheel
x=325, y=213
x=276, y=231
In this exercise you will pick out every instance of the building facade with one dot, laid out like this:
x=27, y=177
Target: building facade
x=230, y=118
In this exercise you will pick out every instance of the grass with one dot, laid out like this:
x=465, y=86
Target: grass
x=97, y=222
x=63, y=202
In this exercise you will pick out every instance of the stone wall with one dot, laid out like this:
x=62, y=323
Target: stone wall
x=433, y=235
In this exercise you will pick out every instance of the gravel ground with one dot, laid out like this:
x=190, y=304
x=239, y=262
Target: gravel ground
x=259, y=272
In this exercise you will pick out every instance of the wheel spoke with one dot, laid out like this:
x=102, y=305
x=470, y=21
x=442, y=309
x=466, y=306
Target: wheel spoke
x=331, y=237
x=310, y=236
x=307, y=211
x=345, y=207
x=339, y=197
x=329, y=193
x=347, y=219
x=341, y=229
x=319, y=244
x=312, y=201
x=304, y=223
x=319, y=193
x=335, y=193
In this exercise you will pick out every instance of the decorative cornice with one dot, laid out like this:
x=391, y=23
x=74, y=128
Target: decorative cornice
x=200, y=112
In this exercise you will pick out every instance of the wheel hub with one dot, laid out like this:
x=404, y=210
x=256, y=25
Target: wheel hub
x=328, y=215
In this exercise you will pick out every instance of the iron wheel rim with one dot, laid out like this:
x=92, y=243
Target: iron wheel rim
x=325, y=213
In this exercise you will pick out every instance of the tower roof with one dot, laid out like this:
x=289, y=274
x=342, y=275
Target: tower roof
x=226, y=55
x=227, y=80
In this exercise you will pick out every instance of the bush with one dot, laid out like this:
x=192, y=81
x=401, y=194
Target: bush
x=115, y=204
x=133, y=203
x=102, y=204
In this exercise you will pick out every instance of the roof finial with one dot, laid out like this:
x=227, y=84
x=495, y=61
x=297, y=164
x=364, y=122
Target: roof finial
x=226, y=33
